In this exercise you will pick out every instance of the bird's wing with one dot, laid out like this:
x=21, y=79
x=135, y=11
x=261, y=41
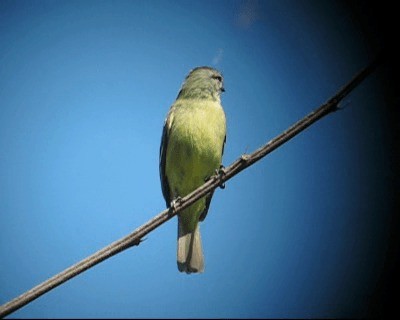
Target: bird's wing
x=210, y=195
x=163, y=156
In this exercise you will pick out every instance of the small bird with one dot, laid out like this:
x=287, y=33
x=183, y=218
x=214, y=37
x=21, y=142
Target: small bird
x=192, y=145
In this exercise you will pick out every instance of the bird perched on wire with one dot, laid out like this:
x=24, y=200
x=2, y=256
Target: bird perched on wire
x=191, y=151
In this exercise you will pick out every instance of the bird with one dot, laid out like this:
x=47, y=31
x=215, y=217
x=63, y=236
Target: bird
x=191, y=150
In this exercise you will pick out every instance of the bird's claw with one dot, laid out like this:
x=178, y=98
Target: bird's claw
x=174, y=203
x=221, y=173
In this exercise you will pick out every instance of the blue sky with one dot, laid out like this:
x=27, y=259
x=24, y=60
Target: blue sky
x=84, y=90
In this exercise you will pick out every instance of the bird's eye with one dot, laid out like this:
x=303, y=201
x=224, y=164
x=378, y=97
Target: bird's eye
x=219, y=78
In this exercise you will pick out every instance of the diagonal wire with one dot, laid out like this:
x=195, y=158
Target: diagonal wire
x=134, y=238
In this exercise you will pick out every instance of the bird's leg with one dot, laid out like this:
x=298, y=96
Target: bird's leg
x=174, y=202
x=221, y=173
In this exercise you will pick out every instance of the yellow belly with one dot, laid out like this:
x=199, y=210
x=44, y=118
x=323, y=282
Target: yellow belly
x=194, y=151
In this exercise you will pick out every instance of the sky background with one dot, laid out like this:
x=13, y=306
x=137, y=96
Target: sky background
x=84, y=90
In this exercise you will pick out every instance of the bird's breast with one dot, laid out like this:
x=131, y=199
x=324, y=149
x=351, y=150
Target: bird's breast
x=195, y=143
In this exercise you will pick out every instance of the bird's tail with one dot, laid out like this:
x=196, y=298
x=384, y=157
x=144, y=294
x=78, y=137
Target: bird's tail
x=190, y=252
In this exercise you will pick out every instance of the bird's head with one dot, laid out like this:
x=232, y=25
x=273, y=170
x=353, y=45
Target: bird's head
x=202, y=83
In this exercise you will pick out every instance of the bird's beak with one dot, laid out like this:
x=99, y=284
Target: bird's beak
x=222, y=89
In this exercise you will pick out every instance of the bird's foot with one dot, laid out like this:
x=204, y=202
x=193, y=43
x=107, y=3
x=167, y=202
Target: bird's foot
x=174, y=203
x=221, y=173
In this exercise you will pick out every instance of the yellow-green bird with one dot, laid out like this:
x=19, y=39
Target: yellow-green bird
x=191, y=151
